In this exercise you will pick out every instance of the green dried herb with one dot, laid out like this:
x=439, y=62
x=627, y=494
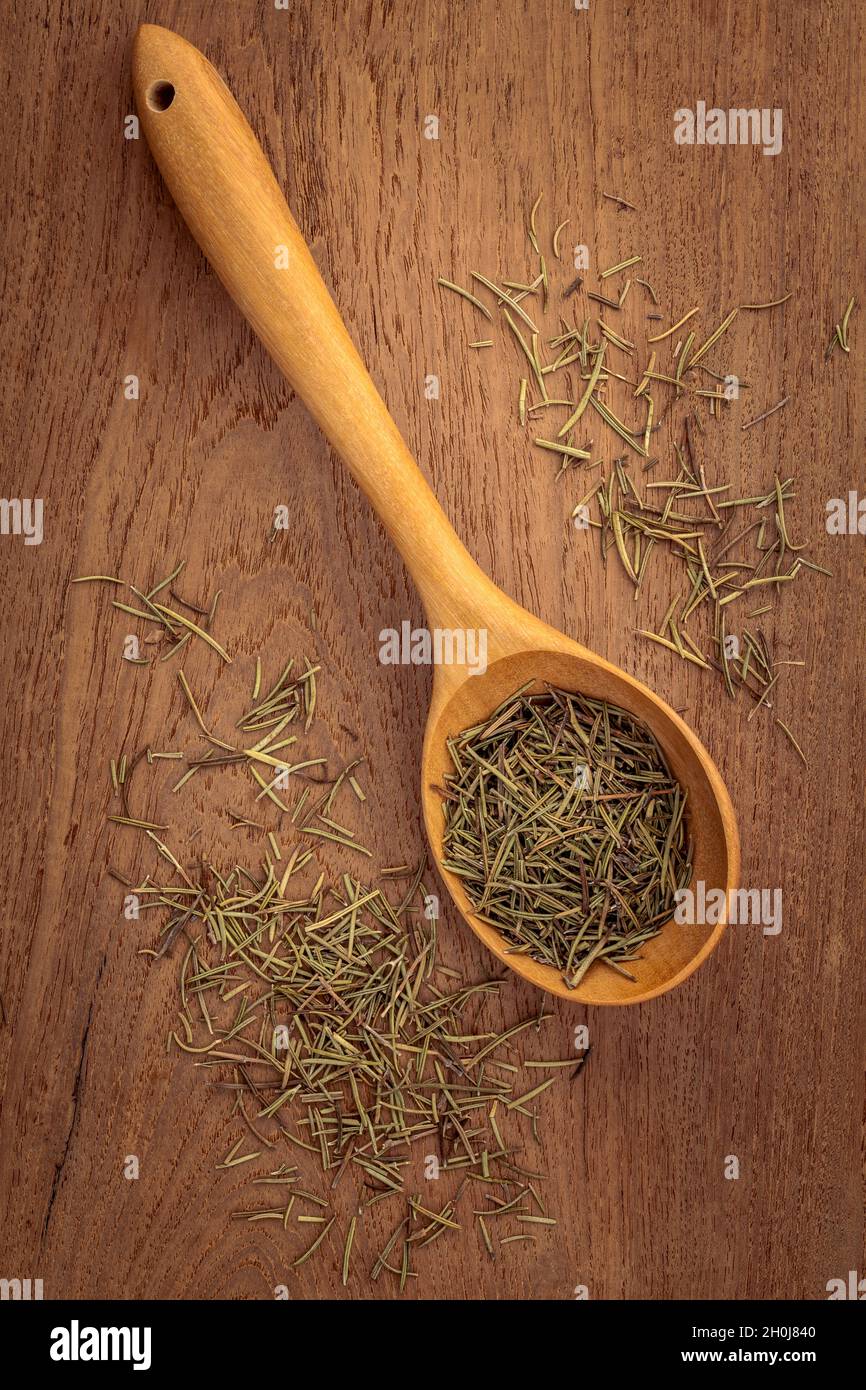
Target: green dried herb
x=566, y=829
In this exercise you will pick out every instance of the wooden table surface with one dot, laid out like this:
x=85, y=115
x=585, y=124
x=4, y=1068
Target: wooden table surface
x=759, y=1054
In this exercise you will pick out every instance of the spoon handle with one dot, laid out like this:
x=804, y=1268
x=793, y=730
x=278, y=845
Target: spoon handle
x=223, y=185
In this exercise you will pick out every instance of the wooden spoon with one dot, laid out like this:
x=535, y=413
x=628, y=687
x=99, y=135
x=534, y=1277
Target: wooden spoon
x=226, y=191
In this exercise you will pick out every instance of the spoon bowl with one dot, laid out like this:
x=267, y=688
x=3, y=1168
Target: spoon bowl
x=226, y=191
x=665, y=959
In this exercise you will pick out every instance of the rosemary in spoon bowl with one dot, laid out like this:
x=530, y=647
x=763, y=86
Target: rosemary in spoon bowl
x=567, y=829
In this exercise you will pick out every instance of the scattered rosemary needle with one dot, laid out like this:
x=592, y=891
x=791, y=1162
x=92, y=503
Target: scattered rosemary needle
x=658, y=337
x=622, y=265
x=563, y=449
x=770, y=304
x=466, y=294
x=713, y=338
x=792, y=740
x=533, y=234
x=139, y=824
x=176, y=617
x=840, y=332
x=766, y=414
x=615, y=198
x=347, y=1251
x=843, y=327
x=587, y=395
x=302, y=1259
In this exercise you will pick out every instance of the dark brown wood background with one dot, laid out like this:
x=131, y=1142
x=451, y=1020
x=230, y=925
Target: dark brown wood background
x=759, y=1054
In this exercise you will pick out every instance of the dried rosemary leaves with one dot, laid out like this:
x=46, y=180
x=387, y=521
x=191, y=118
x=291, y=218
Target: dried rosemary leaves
x=567, y=829
x=325, y=1014
x=377, y=1110
x=669, y=379
x=725, y=566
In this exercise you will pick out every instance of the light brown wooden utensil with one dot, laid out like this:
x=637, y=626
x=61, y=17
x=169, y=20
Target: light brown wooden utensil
x=224, y=187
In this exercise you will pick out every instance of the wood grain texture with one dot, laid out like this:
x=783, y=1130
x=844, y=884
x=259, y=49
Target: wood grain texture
x=760, y=1053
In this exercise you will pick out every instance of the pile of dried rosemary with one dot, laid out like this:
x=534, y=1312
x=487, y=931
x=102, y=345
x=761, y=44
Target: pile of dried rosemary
x=322, y=1009
x=567, y=829
x=569, y=373
x=325, y=1015
x=723, y=562
x=583, y=354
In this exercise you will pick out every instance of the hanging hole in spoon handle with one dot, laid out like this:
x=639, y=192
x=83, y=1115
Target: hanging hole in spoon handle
x=159, y=96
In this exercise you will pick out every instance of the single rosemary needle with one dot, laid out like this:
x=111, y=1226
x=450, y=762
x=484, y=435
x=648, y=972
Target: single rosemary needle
x=793, y=741
x=465, y=294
